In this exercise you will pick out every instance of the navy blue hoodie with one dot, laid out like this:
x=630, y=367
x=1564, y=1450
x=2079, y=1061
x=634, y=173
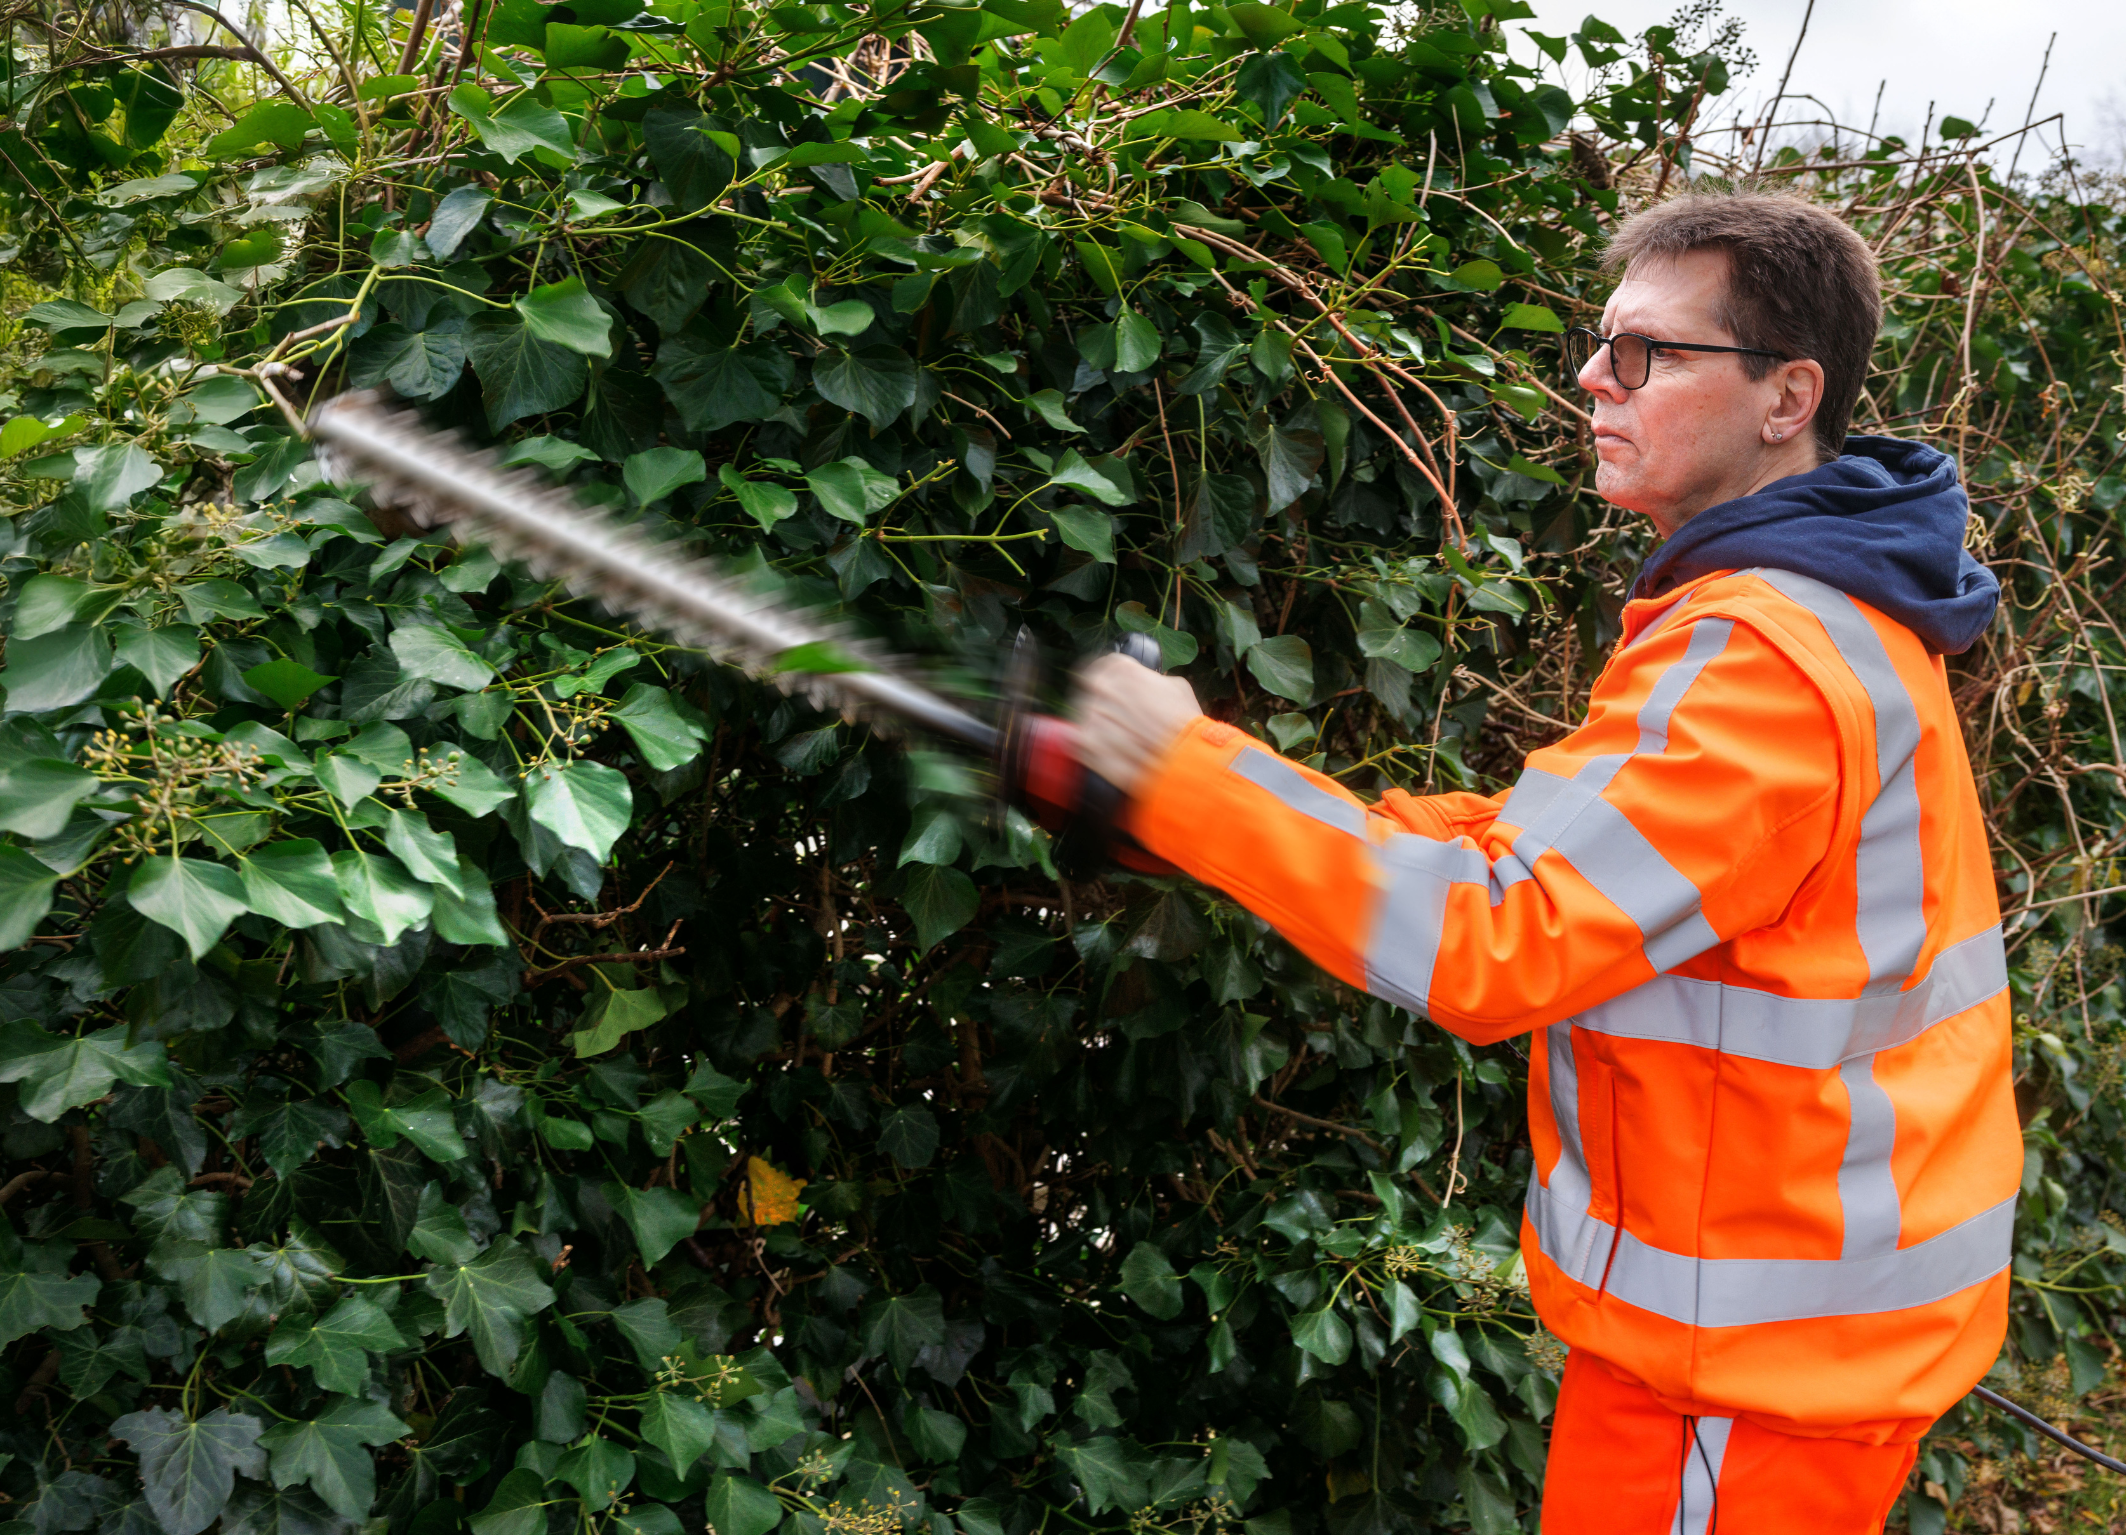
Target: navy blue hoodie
x=1884, y=523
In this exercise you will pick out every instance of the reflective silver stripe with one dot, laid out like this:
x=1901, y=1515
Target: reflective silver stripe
x=1889, y=869
x=1814, y=1033
x=1300, y=793
x=1412, y=917
x=1707, y=639
x=1580, y=1250
x=1699, y=1495
x=1614, y=856
x=1600, y=841
x=1744, y=1292
x=1867, y=1190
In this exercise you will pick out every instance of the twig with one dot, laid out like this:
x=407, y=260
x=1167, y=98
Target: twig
x=287, y=86
x=21, y=1181
x=1320, y=1124
x=1780, y=94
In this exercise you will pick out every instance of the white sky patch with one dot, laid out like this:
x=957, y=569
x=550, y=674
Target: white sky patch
x=1954, y=54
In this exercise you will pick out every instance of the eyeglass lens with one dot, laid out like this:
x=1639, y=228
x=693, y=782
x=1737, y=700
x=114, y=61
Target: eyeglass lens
x=1630, y=356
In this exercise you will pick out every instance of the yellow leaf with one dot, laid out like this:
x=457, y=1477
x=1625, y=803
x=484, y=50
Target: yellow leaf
x=770, y=1197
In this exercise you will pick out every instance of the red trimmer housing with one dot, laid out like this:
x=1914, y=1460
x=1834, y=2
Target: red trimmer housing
x=1041, y=773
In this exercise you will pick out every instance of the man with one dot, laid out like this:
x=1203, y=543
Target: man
x=1746, y=910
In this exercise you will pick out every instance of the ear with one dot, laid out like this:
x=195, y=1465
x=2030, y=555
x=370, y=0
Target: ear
x=1800, y=392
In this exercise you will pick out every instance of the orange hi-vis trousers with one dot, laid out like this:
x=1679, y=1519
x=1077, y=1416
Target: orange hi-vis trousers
x=1623, y=1463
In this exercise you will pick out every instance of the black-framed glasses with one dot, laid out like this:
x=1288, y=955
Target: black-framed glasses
x=1631, y=357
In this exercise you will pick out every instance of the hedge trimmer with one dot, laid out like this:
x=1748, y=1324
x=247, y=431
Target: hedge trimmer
x=439, y=479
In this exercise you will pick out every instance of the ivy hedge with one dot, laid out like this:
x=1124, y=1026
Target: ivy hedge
x=471, y=1063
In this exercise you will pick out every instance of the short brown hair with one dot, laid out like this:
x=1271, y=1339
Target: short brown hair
x=1800, y=283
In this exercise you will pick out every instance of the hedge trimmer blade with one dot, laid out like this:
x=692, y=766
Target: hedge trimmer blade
x=438, y=478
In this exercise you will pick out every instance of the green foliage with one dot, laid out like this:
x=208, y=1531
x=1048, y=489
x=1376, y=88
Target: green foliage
x=479, y=1062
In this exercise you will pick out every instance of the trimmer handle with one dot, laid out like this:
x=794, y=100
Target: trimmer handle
x=1043, y=774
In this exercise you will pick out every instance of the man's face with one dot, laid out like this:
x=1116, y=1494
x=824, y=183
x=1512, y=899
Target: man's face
x=1694, y=435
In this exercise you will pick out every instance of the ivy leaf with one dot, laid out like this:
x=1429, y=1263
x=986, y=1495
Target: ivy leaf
x=491, y=1298
x=288, y=683
x=161, y=655
x=56, y=670
x=25, y=895
x=329, y=1453
x=852, y=490
x=291, y=883
x=1323, y=1334
x=60, y=1072
x=660, y=1218
x=520, y=373
x=190, y=1464
x=693, y=167
x=681, y=1427
x=431, y=856
x=476, y=790
x=738, y=1505
x=378, y=889
x=1289, y=458
x=566, y=314
x=346, y=778
x=520, y=127
x=1272, y=81
x=1536, y=317
x=598, y=1469
x=1087, y=529
x=1149, y=1280
x=213, y=1280
x=38, y=796
x=421, y=364
x=902, y=1326
x=170, y=1212
x=909, y=1136
x=765, y=504
x=335, y=1345
x=941, y=900
x=650, y=1331
x=109, y=477
x=298, y=1271
x=1104, y=1472
x=517, y=1508
x=584, y=804
x=193, y=898
x=664, y=737
x=1284, y=664
x=655, y=473
x=876, y=382
x=37, y=1294
x=1136, y=343
x=456, y=216
x=431, y=651
x=712, y=386
x=1072, y=470
x=289, y=1130
x=257, y=1509
x=469, y=917
x=613, y=1014
x=427, y=1121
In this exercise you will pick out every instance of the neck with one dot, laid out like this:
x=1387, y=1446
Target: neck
x=1772, y=462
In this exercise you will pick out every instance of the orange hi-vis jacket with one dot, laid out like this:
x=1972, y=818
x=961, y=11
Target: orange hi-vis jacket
x=1748, y=912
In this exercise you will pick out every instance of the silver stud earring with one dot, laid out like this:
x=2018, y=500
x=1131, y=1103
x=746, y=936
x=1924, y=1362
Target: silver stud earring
x=1776, y=436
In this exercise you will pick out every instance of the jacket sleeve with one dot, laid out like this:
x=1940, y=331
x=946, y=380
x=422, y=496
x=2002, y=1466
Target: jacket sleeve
x=1700, y=793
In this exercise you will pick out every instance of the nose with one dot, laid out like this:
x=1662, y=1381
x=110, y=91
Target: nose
x=1599, y=378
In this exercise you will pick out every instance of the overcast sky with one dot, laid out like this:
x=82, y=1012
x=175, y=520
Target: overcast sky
x=1953, y=53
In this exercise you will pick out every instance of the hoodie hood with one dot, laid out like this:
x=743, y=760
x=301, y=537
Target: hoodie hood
x=1883, y=523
